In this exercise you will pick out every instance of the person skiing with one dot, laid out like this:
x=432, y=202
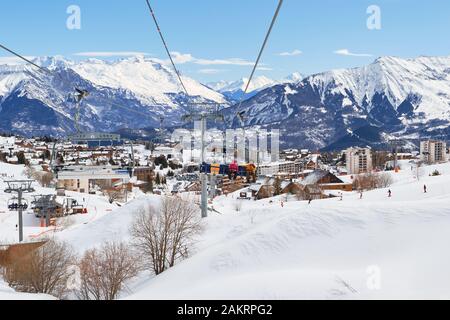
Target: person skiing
x=424, y=188
x=360, y=195
x=389, y=193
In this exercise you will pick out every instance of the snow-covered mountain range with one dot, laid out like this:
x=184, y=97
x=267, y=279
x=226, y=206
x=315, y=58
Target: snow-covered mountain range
x=392, y=97
x=407, y=98
x=234, y=90
x=129, y=93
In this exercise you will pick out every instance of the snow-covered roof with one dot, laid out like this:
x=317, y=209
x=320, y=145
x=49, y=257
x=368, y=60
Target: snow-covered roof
x=255, y=187
x=314, y=177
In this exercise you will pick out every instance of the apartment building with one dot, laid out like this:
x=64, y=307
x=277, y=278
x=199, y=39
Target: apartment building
x=82, y=178
x=358, y=160
x=432, y=151
x=273, y=168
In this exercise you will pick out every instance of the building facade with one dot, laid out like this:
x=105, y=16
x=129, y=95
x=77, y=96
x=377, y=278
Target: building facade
x=432, y=151
x=271, y=169
x=83, y=179
x=358, y=160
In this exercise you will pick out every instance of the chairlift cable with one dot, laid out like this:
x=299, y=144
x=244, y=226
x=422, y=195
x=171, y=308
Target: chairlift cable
x=82, y=94
x=274, y=19
x=26, y=60
x=166, y=47
x=49, y=72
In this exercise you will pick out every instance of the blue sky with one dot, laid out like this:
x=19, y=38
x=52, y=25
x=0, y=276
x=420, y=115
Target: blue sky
x=210, y=34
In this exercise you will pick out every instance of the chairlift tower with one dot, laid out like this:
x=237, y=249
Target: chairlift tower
x=20, y=187
x=203, y=117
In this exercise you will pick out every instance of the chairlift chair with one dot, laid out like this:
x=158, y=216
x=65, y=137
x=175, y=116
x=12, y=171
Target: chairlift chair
x=13, y=204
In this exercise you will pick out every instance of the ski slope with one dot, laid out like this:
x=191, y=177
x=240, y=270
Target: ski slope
x=370, y=248
x=6, y=293
x=97, y=206
x=326, y=250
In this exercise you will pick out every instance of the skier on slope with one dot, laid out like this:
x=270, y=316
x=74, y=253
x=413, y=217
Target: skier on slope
x=389, y=193
x=424, y=188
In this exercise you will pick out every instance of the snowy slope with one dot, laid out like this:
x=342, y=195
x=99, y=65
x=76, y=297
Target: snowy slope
x=293, y=78
x=326, y=250
x=233, y=90
x=257, y=83
x=11, y=76
x=308, y=252
x=396, y=78
x=114, y=226
x=144, y=77
x=97, y=206
x=7, y=293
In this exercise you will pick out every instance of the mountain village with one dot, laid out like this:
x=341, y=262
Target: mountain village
x=120, y=171
x=88, y=192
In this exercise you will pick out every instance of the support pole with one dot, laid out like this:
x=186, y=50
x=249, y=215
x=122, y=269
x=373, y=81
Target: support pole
x=20, y=215
x=47, y=217
x=20, y=187
x=202, y=117
x=204, y=200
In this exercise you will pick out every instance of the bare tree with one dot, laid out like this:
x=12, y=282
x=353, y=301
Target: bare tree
x=165, y=235
x=104, y=271
x=43, y=177
x=300, y=194
x=370, y=181
x=112, y=195
x=44, y=270
x=46, y=179
x=277, y=186
x=384, y=180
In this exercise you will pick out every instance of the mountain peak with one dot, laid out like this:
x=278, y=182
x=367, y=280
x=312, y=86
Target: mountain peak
x=294, y=77
x=52, y=62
